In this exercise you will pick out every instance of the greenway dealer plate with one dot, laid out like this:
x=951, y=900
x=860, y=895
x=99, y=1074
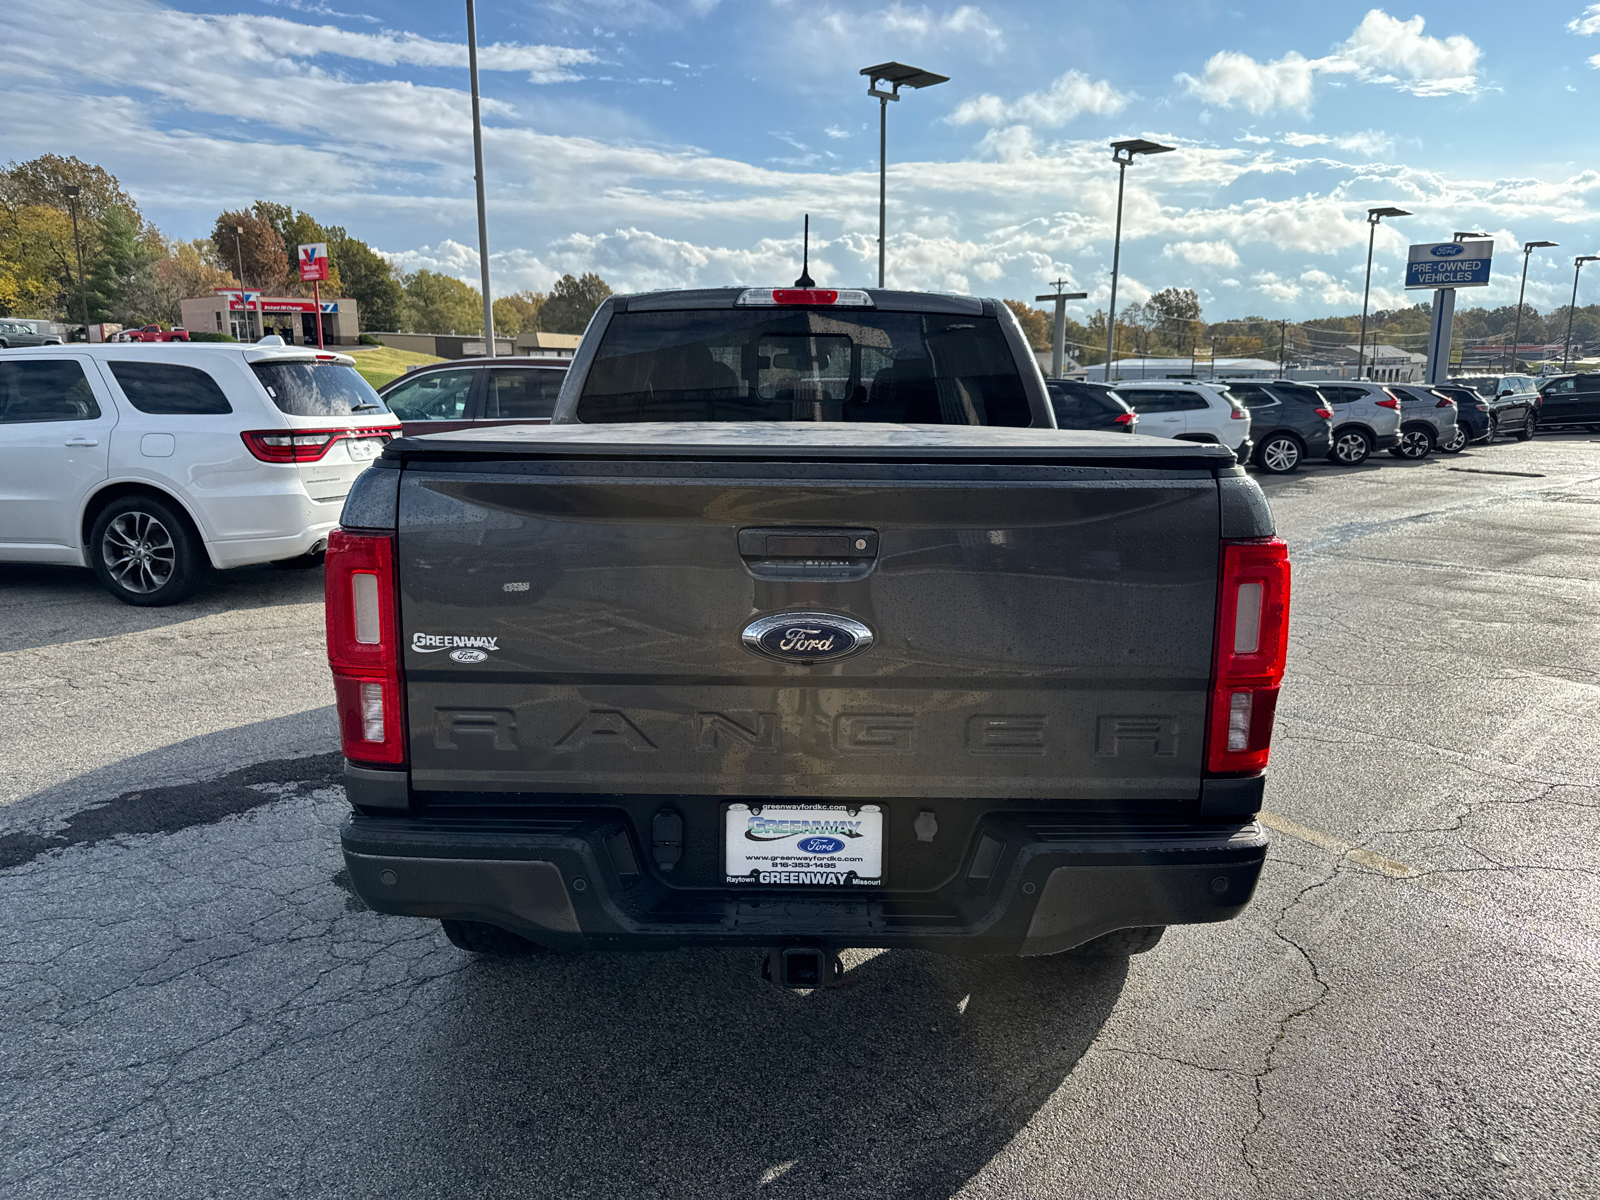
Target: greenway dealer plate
x=803, y=845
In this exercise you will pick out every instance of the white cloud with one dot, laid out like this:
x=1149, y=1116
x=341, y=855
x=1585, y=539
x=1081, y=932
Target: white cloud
x=1431, y=66
x=1211, y=254
x=1253, y=138
x=1230, y=78
x=1071, y=94
x=1382, y=49
x=834, y=131
x=1588, y=23
x=825, y=29
x=1306, y=139
x=1270, y=285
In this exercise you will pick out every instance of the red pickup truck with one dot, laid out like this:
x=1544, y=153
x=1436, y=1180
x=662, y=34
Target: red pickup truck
x=154, y=333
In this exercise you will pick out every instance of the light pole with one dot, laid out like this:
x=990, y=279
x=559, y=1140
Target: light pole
x=1577, y=265
x=1374, y=215
x=72, y=191
x=1122, y=154
x=1527, y=253
x=900, y=76
x=244, y=297
x=477, y=167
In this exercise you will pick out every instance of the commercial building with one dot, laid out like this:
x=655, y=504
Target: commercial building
x=250, y=316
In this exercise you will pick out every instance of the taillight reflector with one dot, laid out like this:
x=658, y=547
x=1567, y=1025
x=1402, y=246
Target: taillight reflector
x=1125, y=418
x=1252, y=642
x=1390, y=400
x=1445, y=402
x=364, y=647
x=1325, y=413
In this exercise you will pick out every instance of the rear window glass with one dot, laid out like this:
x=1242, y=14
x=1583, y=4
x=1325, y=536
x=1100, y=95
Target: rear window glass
x=804, y=365
x=45, y=390
x=166, y=389
x=523, y=394
x=1083, y=403
x=317, y=389
x=431, y=396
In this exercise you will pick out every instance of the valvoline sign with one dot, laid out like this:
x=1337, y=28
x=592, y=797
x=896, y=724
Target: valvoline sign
x=1449, y=264
x=313, y=262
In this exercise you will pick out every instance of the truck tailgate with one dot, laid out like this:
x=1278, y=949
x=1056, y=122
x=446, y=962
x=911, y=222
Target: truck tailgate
x=1042, y=621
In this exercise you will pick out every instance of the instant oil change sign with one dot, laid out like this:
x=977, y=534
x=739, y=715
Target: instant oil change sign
x=808, y=845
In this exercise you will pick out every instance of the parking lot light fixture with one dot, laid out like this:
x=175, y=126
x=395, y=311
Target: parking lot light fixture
x=72, y=191
x=897, y=75
x=1516, y=338
x=1374, y=215
x=1577, y=265
x=1122, y=153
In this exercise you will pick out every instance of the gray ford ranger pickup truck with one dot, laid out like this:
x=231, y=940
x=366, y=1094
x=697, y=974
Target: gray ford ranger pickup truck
x=803, y=627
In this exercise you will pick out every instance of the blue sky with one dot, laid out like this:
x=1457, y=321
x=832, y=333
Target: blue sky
x=670, y=143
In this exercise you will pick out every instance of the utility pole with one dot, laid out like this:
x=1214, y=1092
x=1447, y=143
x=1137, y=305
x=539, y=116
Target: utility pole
x=1058, y=340
x=1283, y=345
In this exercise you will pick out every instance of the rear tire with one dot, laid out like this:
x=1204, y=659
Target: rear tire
x=1530, y=426
x=1351, y=448
x=145, y=552
x=1494, y=428
x=1120, y=943
x=1415, y=444
x=1456, y=443
x=479, y=937
x=1280, y=454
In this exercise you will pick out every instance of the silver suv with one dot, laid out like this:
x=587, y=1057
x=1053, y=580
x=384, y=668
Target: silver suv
x=1366, y=419
x=1427, y=421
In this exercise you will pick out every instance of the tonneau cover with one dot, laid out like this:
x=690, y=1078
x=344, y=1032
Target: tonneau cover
x=831, y=440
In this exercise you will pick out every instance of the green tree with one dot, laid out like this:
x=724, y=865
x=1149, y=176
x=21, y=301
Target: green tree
x=571, y=303
x=122, y=257
x=441, y=304
x=369, y=279
x=518, y=313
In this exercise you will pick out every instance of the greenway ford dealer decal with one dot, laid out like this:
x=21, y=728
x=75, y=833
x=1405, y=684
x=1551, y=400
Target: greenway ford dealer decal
x=816, y=845
x=462, y=649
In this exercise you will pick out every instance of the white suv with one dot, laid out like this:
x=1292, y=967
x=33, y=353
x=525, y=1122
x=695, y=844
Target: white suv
x=1194, y=412
x=151, y=464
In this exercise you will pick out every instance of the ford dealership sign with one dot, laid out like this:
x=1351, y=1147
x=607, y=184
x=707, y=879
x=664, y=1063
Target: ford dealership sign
x=1450, y=264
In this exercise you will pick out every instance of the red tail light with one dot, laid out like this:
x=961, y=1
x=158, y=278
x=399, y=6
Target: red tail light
x=303, y=445
x=364, y=647
x=1390, y=400
x=1252, y=641
x=1445, y=402
x=1325, y=413
x=1128, y=419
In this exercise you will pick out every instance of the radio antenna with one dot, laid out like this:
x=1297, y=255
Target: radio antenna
x=805, y=280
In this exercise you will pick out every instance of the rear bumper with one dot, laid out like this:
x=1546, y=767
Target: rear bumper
x=1028, y=885
x=1388, y=441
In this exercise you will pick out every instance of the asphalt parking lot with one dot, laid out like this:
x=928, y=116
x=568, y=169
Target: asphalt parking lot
x=192, y=1005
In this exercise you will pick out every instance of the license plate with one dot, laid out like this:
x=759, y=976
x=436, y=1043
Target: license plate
x=363, y=449
x=803, y=845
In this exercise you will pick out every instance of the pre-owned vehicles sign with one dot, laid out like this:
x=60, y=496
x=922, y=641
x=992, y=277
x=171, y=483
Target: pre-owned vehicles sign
x=1449, y=264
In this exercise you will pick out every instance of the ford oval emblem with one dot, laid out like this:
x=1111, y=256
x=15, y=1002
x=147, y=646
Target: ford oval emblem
x=820, y=845
x=804, y=638
x=467, y=656
x=1448, y=250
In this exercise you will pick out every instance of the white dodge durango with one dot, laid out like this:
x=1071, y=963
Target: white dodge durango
x=152, y=464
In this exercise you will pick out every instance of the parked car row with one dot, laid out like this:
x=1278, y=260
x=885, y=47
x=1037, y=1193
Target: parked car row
x=1285, y=422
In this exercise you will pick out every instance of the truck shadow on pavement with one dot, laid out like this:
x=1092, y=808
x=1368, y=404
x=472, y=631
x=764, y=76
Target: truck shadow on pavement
x=685, y=1075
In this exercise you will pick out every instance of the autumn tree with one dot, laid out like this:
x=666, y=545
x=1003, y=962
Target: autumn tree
x=265, y=263
x=571, y=303
x=38, y=266
x=1035, y=324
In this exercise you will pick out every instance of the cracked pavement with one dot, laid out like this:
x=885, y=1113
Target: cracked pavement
x=193, y=1004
